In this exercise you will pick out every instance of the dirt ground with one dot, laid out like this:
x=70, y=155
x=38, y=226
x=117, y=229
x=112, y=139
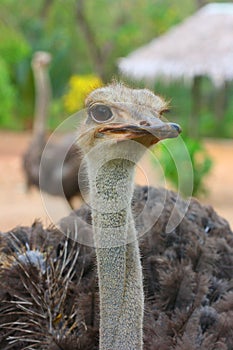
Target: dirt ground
x=18, y=207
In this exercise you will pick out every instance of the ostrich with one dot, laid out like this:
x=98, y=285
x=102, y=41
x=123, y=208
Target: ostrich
x=49, y=298
x=119, y=117
x=50, y=176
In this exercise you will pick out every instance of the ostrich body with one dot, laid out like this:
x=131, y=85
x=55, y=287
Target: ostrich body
x=49, y=298
x=49, y=177
x=118, y=118
x=188, y=279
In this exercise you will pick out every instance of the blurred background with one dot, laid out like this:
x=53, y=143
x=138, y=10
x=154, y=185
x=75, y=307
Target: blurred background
x=163, y=45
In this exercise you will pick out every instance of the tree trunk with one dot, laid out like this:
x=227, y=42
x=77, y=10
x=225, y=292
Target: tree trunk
x=96, y=55
x=220, y=105
x=196, y=104
x=201, y=3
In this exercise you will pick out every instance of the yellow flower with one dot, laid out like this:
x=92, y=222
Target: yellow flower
x=79, y=87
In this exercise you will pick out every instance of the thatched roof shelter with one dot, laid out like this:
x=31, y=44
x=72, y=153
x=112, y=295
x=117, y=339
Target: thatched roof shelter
x=202, y=45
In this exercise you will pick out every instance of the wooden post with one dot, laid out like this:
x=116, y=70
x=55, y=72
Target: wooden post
x=195, y=111
x=220, y=105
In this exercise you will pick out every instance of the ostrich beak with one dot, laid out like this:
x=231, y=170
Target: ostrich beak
x=144, y=133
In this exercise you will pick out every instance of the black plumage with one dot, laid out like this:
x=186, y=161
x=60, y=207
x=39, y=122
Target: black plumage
x=49, y=291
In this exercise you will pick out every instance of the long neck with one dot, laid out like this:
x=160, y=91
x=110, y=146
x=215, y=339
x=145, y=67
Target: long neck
x=42, y=98
x=118, y=259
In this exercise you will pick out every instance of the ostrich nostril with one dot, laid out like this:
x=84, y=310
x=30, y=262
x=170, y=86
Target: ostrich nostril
x=144, y=122
x=177, y=127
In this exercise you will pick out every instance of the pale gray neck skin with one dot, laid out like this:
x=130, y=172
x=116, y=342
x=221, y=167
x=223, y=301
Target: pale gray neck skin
x=118, y=262
x=42, y=98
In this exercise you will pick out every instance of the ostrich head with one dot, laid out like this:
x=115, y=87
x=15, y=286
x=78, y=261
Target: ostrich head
x=117, y=113
x=41, y=59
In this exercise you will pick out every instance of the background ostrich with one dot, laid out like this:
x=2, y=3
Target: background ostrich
x=49, y=295
x=51, y=176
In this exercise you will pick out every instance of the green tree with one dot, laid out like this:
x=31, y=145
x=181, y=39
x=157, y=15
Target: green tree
x=13, y=49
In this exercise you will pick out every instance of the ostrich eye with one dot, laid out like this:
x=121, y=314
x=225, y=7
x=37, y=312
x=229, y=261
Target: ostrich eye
x=100, y=113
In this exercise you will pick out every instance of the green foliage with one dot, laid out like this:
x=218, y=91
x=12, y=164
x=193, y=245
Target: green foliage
x=57, y=114
x=201, y=162
x=7, y=96
x=13, y=46
x=13, y=49
x=185, y=173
